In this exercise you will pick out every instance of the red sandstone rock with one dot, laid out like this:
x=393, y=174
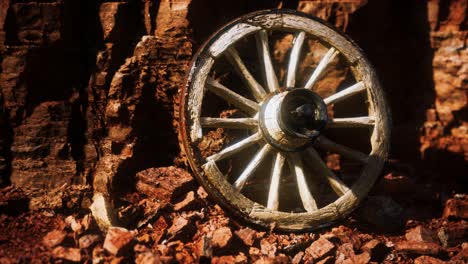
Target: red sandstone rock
x=298, y=257
x=163, y=183
x=70, y=254
x=427, y=260
x=421, y=234
x=376, y=249
x=159, y=229
x=221, y=237
x=54, y=238
x=247, y=236
x=188, y=203
x=178, y=226
x=118, y=240
x=419, y=248
x=456, y=208
x=87, y=241
x=267, y=247
x=319, y=249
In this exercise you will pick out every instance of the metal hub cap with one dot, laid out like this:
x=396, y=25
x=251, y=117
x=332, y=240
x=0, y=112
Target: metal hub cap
x=290, y=120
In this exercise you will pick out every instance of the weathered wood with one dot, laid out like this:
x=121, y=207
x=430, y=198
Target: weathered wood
x=362, y=121
x=249, y=141
x=318, y=72
x=252, y=166
x=294, y=59
x=234, y=98
x=278, y=164
x=345, y=93
x=233, y=123
x=337, y=185
x=263, y=49
x=257, y=90
x=233, y=34
x=327, y=144
x=196, y=98
x=308, y=201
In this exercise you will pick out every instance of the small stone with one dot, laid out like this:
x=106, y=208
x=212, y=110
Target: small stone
x=456, y=208
x=159, y=229
x=376, y=249
x=298, y=257
x=221, y=237
x=70, y=254
x=428, y=260
x=267, y=248
x=241, y=258
x=421, y=234
x=327, y=260
x=319, y=249
x=87, y=241
x=254, y=253
x=87, y=222
x=419, y=248
x=362, y=258
x=74, y=225
x=202, y=193
x=147, y=258
x=247, y=236
x=189, y=203
x=204, y=247
x=118, y=239
x=54, y=238
x=178, y=225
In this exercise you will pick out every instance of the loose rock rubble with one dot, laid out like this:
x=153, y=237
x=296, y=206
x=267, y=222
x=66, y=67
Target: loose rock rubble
x=186, y=227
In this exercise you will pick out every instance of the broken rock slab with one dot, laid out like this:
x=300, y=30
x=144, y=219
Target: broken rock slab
x=319, y=249
x=69, y=254
x=418, y=248
x=165, y=183
x=421, y=234
x=54, y=238
x=118, y=240
x=456, y=208
x=221, y=237
x=103, y=212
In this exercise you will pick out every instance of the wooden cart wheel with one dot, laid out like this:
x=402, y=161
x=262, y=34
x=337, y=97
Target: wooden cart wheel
x=268, y=149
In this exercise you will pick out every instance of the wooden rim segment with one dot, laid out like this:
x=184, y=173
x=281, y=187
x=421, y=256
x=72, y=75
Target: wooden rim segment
x=192, y=123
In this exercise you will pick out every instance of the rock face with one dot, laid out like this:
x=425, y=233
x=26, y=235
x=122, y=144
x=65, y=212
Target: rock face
x=88, y=89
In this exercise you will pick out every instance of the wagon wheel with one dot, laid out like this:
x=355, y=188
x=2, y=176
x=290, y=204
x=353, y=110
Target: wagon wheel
x=260, y=148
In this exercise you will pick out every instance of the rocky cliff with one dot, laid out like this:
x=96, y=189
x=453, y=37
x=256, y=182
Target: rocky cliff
x=88, y=88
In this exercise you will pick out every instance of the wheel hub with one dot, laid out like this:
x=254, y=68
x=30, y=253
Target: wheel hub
x=290, y=120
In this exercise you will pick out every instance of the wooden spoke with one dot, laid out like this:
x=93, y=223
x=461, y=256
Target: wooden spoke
x=362, y=121
x=252, y=166
x=234, y=98
x=337, y=185
x=294, y=59
x=308, y=201
x=278, y=164
x=345, y=93
x=327, y=144
x=265, y=58
x=236, y=147
x=257, y=90
x=327, y=58
x=234, y=123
